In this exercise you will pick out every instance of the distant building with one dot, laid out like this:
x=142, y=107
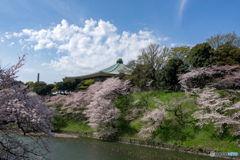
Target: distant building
x=102, y=75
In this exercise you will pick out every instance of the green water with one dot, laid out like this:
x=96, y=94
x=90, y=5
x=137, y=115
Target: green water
x=91, y=149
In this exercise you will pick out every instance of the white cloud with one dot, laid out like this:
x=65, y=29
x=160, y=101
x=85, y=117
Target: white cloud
x=92, y=47
x=180, y=44
x=45, y=64
x=181, y=9
x=11, y=44
x=2, y=40
x=28, y=70
x=7, y=35
x=165, y=38
x=173, y=44
x=17, y=34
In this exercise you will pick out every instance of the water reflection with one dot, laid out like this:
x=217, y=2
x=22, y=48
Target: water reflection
x=91, y=149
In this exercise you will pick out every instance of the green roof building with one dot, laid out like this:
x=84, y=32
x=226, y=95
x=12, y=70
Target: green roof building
x=102, y=75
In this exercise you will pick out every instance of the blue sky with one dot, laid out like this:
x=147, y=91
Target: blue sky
x=76, y=37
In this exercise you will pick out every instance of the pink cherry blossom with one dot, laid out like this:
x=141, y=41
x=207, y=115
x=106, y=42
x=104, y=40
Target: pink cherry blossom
x=22, y=112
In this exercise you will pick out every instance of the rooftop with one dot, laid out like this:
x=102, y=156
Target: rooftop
x=110, y=71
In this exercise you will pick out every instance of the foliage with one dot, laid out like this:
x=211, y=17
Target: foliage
x=141, y=75
x=131, y=64
x=168, y=75
x=85, y=84
x=221, y=39
x=59, y=123
x=54, y=89
x=68, y=86
x=24, y=113
x=30, y=84
x=226, y=48
x=152, y=58
x=180, y=111
x=200, y=55
x=42, y=88
x=88, y=82
x=153, y=55
x=179, y=52
x=227, y=54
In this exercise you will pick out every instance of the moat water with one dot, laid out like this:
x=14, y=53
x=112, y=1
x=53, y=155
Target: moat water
x=92, y=149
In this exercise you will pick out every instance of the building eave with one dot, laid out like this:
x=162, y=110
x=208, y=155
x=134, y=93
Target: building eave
x=98, y=74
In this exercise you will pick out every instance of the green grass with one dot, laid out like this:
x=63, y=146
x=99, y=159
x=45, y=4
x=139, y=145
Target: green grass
x=77, y=127
x=163, y=96
x=206, y=141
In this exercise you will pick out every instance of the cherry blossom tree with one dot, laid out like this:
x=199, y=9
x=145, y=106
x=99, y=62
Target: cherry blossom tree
x=101, y=111
x=24, y=113
x=154, y=120
x=214, y=109
x=75, y=102
x=201, y=83
x=96, y=103
x=220, y=77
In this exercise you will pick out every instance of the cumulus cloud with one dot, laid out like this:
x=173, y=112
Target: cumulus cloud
x=7, y=35
x=92, y=47
x=2, y=39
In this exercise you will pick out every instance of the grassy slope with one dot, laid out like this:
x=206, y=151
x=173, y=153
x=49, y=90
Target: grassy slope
x=202, y=139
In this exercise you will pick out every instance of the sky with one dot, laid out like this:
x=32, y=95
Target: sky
x=76, y=37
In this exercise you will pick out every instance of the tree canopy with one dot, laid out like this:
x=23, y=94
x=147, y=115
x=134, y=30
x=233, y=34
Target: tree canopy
x=220, y=39
x=168, y=76
x=179, y=52
x=200, y=55
x=226, y=48
x=152, y=58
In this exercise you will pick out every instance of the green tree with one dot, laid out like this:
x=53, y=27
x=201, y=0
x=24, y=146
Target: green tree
x=227, y=48
x=200, y=55
x=40, y=88
x=85, y=84
x=131, y=64
x=220, y=39
x=179, y=52
x=30, y=84
x=49, y=88
x=227, y=54
x=54, y=89
x=68, y=86
x=152, y=58
x=88, y=82
x=59, y=86
x=168, y=76
x=64, y=86
x=141, y=75
x=17, y=83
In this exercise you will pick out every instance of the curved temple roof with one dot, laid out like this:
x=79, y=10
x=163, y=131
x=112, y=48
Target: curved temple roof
x=108, y=72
